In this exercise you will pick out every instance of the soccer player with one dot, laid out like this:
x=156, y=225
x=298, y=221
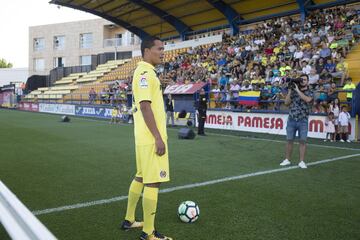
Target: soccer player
x=150, y=141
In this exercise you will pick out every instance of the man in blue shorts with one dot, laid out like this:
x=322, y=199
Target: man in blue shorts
x=299, y=99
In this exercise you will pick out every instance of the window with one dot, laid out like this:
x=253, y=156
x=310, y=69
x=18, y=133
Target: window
x=59, y=62
x=132, y=39
x=86, y=40
x=39, y=64
x=85, y=60
x=39, y=44
x=59, y=42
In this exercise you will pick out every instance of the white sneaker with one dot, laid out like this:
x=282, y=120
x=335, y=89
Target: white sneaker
x=348, y=140
x=325, y=140
x=285, y=163
x=302, y=164
x=342, y=140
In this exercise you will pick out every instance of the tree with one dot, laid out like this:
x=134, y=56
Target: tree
x=4, y=64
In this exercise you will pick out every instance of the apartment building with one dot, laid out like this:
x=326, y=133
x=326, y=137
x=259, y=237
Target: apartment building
x=74, y=43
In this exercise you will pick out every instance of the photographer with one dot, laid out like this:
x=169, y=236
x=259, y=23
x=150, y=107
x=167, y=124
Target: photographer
x=299, y=99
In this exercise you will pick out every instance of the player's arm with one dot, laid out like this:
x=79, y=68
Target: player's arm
x=148, y=115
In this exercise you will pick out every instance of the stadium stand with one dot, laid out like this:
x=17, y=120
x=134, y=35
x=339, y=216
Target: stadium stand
x=69, y=84
x=261, y=58
x=121, y=73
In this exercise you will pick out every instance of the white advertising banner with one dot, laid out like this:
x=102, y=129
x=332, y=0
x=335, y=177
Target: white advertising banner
x=57, y=108
x=266, y=123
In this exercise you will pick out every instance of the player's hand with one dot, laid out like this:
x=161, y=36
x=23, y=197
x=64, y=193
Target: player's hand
x=160, y=146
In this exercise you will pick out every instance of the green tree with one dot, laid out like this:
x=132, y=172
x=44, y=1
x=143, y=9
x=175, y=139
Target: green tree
x=4, y=64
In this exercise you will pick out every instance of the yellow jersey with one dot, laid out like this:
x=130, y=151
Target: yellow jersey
x=114, y=112
x=146, y=87
x=348, y=86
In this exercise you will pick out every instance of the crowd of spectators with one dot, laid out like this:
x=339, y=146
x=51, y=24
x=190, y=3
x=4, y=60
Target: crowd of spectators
x=274, y=51
x=113, y=94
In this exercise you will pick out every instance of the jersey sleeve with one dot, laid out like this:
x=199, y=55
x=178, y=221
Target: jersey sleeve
x=144, y=84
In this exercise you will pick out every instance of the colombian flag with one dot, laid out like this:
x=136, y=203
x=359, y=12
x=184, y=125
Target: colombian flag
x=249, y=98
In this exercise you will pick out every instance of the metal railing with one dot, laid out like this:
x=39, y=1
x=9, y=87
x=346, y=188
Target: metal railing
x=112, y=42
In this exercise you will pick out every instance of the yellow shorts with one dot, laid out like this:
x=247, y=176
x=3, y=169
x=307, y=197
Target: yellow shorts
x=151, y=167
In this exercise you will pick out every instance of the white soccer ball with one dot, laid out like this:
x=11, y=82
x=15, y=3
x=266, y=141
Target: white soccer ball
x=188, y=211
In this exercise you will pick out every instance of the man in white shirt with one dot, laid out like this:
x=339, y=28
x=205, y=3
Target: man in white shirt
x=298, y=54
x=306, y=68
x=313, y=77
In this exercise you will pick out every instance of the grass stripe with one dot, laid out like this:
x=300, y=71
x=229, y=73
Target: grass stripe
x=189, y=186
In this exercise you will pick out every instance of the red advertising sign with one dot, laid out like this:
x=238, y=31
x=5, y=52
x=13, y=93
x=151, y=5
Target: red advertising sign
x=189, y=88
x=32, y=107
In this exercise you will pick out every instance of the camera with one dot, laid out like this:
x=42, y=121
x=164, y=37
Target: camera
x=291, y=82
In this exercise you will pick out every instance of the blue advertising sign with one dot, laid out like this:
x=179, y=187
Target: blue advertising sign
x=101, y=112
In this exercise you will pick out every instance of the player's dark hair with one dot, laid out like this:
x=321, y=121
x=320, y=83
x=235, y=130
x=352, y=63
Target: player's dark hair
x=147, y=42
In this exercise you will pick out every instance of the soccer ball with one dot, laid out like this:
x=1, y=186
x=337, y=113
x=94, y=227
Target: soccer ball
x=188, y=211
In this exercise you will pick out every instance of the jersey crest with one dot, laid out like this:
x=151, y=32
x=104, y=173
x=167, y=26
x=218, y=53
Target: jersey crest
x=143, y=82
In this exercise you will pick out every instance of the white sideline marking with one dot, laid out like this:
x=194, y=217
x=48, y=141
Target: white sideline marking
x=188, y=186
x=238, y=137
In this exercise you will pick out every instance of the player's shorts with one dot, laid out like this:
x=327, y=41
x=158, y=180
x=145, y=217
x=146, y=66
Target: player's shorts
x=151, y=167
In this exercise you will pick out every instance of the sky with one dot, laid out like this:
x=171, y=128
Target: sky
x=16, y=16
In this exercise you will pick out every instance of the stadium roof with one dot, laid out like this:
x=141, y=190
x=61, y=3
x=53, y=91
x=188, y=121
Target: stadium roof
x=178, y=18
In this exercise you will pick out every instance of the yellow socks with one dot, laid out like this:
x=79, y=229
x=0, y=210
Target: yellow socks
x=134, y=195
x=150, y=198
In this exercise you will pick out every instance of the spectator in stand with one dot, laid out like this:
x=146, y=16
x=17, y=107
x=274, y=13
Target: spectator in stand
x=217, y=97
x=283, y=68
x=349, y=86
x=276, y=94
x=313, y=78
x=325, y=52
x=344, y=118
x=326, y=79
x=306, y=68
x=235, y=88
x=246, y=86
x=320, y=66
x=298, y=55
x=92, y=96
x=330, y=66
x=341, y=70
x=223, y=80
x=322, y=98
x=103, y=96
x=332, y=92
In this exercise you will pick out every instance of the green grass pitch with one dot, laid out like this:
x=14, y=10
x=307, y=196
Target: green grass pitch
x=49, y=164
